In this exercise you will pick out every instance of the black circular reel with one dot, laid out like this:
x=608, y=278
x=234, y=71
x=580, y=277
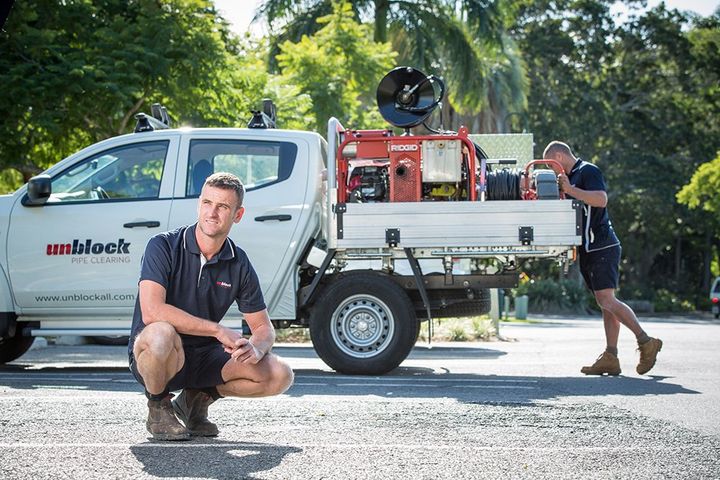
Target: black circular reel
x=406, y=96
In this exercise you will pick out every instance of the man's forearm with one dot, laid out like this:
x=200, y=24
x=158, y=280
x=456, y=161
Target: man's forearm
x=182, y=321
x=263, y=338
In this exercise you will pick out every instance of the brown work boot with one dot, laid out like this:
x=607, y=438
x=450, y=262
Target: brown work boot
x=648, y=355
x=161, y=422
x=605, y=363
x=191, y=406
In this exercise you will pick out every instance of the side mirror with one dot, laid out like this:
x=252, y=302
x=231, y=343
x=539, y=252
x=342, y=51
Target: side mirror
x=39, y=189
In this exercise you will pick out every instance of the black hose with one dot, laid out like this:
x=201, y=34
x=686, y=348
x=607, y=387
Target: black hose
x=503, y=184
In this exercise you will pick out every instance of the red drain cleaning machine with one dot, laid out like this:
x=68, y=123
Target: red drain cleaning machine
x=379, y=166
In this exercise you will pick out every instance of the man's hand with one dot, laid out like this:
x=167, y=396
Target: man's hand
x=564, y=183
x=246, y=352
x=230, y=339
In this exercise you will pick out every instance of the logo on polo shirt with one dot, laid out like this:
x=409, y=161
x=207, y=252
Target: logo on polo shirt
x=223, y=284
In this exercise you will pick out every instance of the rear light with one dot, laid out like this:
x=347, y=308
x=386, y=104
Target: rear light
x=716, y=300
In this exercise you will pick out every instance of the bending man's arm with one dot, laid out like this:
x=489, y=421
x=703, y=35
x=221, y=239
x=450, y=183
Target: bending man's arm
x=155, y=309
x=594, y=198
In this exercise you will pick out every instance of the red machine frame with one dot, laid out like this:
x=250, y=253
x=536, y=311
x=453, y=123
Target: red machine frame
x=383, y=144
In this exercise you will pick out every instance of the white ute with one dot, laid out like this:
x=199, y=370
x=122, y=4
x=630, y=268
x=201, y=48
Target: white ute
x=360, y=242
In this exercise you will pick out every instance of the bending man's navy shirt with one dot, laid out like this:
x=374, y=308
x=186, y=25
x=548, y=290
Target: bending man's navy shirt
x=172, y=259
x=597, y=232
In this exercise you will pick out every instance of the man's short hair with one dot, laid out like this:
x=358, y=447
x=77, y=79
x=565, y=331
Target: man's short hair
x=227, y=181
x=557, y=147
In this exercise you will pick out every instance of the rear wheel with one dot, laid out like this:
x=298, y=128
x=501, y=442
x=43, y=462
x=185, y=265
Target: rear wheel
x=363, y=323
x=14, y=347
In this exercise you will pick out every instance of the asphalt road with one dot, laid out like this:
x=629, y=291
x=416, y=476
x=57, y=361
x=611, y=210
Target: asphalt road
x=511, y=409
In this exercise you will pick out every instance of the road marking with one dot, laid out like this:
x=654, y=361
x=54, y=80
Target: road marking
x=329, y=380
x=353, y=446
x=410, y=379
x=424, y=385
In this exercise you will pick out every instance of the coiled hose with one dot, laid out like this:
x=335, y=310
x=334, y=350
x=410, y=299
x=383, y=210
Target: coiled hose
x=503, y=184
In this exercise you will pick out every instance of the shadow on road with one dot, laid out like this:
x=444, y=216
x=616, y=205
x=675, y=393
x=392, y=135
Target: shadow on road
x=61, y=368
x=209, y=458
x=418, y=382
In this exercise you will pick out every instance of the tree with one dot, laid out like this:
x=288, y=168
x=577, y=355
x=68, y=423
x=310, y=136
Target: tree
x=641, y=101
x=464, y=41
x=702, y=193
x=338, y=68
x=76, y=72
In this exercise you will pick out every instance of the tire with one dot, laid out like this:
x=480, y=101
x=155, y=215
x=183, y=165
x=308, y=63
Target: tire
x=111, y=339
x=14, y=347
x=363, y=323
x=456, y=303
x=470, y=308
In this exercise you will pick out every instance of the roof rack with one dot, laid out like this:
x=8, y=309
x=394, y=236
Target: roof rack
x=159, y=120
x=264, y=118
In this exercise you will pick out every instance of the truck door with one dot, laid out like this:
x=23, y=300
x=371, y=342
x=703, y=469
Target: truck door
x=275, y=176
x=81, y=250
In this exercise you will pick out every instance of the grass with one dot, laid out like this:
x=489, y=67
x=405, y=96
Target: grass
x=292, y=335
x=464, y=329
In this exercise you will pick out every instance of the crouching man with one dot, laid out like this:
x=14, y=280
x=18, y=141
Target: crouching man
x=189, y=279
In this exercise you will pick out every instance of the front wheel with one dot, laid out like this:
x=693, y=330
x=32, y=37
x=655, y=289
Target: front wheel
x=363, y=323
x=14, y=347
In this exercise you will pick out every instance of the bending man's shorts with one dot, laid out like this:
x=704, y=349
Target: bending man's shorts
x=600, y=269
x=202, y=368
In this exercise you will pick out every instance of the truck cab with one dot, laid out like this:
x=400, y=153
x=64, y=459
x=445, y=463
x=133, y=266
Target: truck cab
x=73, y=254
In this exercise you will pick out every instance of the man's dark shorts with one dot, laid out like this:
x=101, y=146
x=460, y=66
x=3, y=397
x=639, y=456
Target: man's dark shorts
x=600, y=268
x=202, y=368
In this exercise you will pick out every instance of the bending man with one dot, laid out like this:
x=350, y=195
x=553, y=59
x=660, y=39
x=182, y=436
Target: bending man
x=600, y=260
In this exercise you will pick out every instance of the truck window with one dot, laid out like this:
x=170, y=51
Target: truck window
x=256, y=163
x=128, y=172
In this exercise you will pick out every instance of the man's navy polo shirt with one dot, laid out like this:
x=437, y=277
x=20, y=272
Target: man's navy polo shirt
x=172, y=259
x=597, y=232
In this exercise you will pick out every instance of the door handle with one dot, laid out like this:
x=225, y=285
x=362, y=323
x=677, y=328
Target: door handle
x=148, y=224
x=279, y=218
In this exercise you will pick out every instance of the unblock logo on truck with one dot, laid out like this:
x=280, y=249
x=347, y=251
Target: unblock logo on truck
x=91, y=252
x=88, y=248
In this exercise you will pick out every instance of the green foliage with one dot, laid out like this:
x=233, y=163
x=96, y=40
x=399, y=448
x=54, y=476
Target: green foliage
x=667, y=301
x=703, y=191
x=77, y=72
x=482, y=328
x=641, y=100
x=550, y=296
x=338, y=68
x=464, y=41
x=457, y=334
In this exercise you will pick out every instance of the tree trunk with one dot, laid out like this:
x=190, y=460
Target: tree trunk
x=678, y=258
x=381, y=20
x=707, y=261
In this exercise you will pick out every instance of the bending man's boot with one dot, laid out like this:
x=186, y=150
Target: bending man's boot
x=161, y=422
x=191, y=406
x=648, y=355
x=606, y=363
